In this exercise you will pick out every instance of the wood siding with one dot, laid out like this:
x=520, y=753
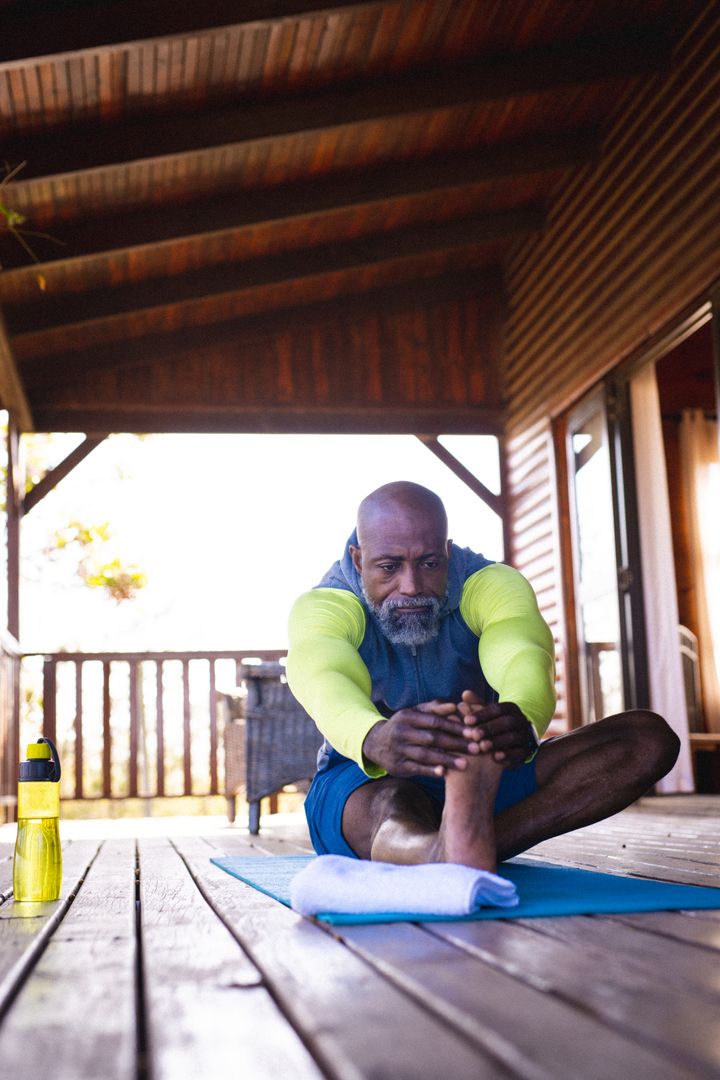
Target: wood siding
x=631, y=243
x=430, y=369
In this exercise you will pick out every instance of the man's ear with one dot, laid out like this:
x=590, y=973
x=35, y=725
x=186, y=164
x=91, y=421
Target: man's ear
x=356, y=556
x=449, y=548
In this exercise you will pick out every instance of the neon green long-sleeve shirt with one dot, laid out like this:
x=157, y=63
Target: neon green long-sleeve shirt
x=330, y=679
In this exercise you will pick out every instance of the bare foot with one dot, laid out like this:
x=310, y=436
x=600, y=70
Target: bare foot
x=467, y=831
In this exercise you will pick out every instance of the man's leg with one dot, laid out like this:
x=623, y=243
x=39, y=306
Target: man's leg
x=582, y=777
x=587, y=775
x=396, y=821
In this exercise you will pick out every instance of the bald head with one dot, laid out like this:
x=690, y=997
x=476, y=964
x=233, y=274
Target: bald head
x=401, y=499
x=402, y=559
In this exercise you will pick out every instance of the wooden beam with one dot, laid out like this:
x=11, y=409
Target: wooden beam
x=495, y=502
x=12, y=391
x=43, y=371
x=230, y=212
x=90, y=145
x=226, y=279
x=46, y=30
x=54, y=476
x=376, y=420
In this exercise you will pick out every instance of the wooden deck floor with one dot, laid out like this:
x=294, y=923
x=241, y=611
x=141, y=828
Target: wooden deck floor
x=155, y=964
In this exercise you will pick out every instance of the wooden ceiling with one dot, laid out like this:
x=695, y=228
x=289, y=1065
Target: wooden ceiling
x=251, y=216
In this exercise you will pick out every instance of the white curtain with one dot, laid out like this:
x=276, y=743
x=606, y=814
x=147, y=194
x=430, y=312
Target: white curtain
x=700, y=463
x=667, y=688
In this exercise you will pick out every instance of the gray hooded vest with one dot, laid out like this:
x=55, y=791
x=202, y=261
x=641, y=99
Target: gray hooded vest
x=404, y=675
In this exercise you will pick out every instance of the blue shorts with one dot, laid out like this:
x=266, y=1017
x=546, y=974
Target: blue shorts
x=333, y=786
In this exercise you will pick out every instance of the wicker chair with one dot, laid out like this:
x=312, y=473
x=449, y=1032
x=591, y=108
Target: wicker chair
x=270, y=740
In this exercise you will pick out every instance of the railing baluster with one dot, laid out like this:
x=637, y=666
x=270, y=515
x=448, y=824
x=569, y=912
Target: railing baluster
x=187, y=760
x=79, y=668
x=213, y=730
x=49, y=697
x=160, y=727
x=134, y=726
x=89, y=713
x=107, y=733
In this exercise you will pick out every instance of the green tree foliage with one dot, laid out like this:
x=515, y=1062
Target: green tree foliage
x=86, y=549
x=88, y=545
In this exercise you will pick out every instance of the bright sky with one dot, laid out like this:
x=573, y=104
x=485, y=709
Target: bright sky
x=229, y=530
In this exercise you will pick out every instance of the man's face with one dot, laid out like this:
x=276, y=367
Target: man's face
x=403, y=564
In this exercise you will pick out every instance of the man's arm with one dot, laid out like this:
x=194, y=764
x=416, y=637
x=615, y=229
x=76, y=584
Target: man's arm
x=326, y=672
x=516, y=652
x=329, y=678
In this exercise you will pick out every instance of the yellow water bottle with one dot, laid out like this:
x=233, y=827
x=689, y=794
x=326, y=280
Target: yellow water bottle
x=37, y=867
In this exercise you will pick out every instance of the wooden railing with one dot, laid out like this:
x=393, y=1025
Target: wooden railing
x=134, y=725
x=9, y=697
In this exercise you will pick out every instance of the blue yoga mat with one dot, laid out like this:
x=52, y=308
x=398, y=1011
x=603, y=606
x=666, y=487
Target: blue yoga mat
x=544, y=889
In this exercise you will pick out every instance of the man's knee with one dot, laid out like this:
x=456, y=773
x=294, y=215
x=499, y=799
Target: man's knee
x=655, y=742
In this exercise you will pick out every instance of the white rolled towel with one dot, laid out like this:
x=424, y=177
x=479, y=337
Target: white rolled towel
x=336, y=883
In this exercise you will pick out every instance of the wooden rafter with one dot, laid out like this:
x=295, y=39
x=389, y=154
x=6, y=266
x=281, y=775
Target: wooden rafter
x=85, y=147
x=47, y=370
x=276, y=270
x=220, y=213
x=122, y=22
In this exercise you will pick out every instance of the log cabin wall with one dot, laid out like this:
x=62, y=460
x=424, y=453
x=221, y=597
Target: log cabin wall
x=631, y=243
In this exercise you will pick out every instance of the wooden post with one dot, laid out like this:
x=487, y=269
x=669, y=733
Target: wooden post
x=14, y=500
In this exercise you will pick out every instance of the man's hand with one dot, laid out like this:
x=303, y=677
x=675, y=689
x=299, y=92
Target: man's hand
x=500, y=729
x=424, y=741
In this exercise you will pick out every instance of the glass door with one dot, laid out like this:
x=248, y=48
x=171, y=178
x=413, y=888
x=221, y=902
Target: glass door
x=590, y=471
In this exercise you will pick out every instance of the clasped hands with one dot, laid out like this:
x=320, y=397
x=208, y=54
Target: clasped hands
x=436, y=736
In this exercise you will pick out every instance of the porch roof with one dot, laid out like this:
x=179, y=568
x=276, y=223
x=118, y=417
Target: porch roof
x=290, y=216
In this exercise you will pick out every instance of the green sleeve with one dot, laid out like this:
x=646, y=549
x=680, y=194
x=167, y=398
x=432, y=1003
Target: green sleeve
x=516, y=646
x=326, y=673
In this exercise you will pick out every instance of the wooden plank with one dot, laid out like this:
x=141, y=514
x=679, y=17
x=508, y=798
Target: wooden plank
x=106, y=732
x=290, y=203
x=680, y=926
x=241, y=333
x=553, y=1038
x=249, y=274
x=50, y=698
x=207, y=1008
x=692, y=969
x=658, y=1013
x=187, y=733
x=78, y=147
x=135, y=706
x=77, y=1007
x=212, y=709
x=356, y=1023
x=78, y=725
x=122, y=22
x=159, y=728
x=336, y=420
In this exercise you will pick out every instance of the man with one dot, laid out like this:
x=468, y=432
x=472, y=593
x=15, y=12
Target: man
x=429, y=670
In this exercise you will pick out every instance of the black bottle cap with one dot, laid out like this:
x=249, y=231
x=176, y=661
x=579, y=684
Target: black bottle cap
x=40, y=767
